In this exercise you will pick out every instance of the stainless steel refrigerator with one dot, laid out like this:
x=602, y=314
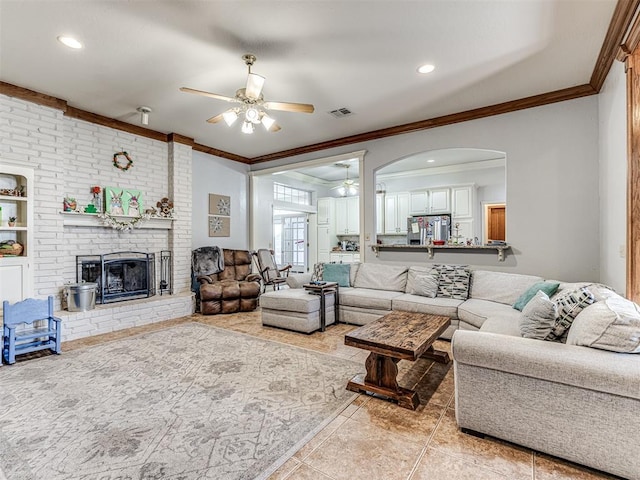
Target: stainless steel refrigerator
x=422, y=228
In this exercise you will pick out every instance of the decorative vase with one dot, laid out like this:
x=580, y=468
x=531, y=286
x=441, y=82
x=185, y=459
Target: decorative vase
x=97, y=202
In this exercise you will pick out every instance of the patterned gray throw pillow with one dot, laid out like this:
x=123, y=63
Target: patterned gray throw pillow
x=453, y=281
x=568, y=304
x=318, y=270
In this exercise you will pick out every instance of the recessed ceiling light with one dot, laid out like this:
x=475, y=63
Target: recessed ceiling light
x=431, y=160
x=427, y=68
x=69, y=41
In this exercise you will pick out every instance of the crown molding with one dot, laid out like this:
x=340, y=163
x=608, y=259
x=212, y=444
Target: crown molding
x=91, y=117
x=221, y=153
x=32, y=96
x=620, y=24
x=482, y=112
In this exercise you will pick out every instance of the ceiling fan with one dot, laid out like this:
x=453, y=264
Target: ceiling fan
x=252, y=105
x=348, y=186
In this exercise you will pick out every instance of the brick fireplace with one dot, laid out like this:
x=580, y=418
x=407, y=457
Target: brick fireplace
x=68, y=157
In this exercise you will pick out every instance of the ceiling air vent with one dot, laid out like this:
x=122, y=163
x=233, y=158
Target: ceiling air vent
x=341, y=112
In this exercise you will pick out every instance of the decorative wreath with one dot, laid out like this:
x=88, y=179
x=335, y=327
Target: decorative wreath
x=118, y=165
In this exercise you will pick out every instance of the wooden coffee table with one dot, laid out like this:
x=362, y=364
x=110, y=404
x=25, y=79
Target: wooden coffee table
x=394, y=337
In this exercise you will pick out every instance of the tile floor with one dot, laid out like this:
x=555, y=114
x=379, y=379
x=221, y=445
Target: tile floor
x=374, y=439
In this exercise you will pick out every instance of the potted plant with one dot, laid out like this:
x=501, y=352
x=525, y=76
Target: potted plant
x=12, y=221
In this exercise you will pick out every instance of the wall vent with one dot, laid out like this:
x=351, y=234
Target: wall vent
x=341, y=112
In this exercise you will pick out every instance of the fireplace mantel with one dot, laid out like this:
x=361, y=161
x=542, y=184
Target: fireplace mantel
x=77, y=219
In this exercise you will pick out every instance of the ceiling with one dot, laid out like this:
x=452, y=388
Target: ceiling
x=361, y=55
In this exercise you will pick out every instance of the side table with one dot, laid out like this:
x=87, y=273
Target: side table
x=322, y=290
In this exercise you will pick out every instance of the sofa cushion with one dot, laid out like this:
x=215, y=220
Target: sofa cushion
x=425, y=285
x=293, y=300
x=549, y=288
x=569, y=304
x=337, y=272
x=613, y=324
x=413, y=273
x=367, y=298
x=499, y=286
x=353, y=272
x=453, y=281
x=435, y=306
x=538, y=317
x=381, y=277
x=475, y=311
x=501, y=325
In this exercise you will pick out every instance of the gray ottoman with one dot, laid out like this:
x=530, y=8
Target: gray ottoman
x=295, y=309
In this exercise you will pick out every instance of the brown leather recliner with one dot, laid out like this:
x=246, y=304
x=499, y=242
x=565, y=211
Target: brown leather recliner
x=235, y=289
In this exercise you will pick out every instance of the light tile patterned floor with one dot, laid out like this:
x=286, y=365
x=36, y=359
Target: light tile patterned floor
x=374, y=439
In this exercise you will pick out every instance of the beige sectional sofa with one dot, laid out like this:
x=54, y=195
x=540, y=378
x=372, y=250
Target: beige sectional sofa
x=575, y=402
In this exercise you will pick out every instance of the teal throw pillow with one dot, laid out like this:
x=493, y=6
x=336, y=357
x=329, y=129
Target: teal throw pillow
x=337, y=272
x=547, y=287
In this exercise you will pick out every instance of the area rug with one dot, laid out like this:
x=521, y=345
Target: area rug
x=188, y=402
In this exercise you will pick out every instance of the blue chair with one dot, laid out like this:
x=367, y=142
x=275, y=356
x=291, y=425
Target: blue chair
x=34, y=338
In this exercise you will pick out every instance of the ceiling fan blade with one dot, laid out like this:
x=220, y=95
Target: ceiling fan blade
x=254, y=86
x=275, y=128
x=216, y=119
x=207, y=94
x=289, y=107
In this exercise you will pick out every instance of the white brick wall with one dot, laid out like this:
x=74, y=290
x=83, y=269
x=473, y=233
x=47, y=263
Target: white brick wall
x=69, y=156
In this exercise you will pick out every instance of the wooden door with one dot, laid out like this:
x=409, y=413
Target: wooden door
x=496, y=222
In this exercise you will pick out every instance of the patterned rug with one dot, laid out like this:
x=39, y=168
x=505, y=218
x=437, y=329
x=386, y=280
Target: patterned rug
x=187, y=402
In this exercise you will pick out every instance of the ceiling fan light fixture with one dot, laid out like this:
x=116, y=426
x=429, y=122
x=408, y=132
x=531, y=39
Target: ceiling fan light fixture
x=352, y=190
x=230, y=116
x=252, y=115
x=247, y=127
x=267, y=121
x=342, y=191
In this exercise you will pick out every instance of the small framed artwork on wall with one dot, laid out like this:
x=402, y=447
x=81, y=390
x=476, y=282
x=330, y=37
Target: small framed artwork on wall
x=219, y=205
x=219, y=226
x=219, y=215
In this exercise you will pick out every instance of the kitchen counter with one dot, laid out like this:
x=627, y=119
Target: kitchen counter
x=430, y=249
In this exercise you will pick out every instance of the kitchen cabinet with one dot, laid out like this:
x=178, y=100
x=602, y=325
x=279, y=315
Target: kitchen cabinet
x=347, y=215
x=462, y=199
x=418, y=203
x=344, y=257
x=326, y=210
x=379, y=213
x=396, y=211
x=324, y=243
x=16, y=200
x=439, y=201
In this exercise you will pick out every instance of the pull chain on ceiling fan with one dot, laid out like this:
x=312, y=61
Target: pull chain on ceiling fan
x=252, y=107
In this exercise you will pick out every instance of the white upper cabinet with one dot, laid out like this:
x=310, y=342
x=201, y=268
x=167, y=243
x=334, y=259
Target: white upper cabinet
x=439, y=201
x=463, y=197
x=396, y=211
x=379, y=213
x=418, y=203
x=347, y=215
x=326, y=210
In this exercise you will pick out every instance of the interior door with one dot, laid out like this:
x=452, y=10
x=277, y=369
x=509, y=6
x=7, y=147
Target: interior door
x=496, y=222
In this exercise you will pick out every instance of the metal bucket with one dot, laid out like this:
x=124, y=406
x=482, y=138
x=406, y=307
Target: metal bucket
x=80, y=296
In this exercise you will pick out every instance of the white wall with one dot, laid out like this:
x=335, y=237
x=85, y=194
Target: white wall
x=613, y=178
x=224, y=177
x=552, y=184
